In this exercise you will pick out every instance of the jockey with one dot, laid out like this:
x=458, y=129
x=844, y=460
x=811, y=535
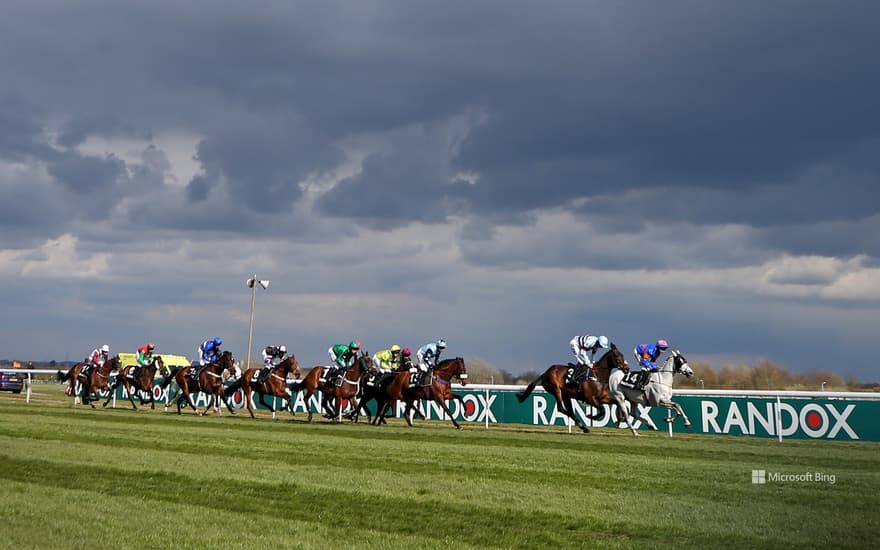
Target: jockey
x=272, y=357
x=646, y=355
x=144, y=358
x=342, y=357
x=96, y=359
x=387, y=360
x=209, y=351
x=405, y=360
x=585, y=347
x=428, y=356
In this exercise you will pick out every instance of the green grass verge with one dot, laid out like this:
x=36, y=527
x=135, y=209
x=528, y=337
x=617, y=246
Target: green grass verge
x=78, y=478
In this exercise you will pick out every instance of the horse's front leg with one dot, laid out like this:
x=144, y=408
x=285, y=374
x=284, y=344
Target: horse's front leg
x=110, y=395
x=446, y=410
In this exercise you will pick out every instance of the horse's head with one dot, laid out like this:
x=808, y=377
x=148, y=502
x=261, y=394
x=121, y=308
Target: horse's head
x=293, y=366
x=454, y=367
x=616, y=359
x=363, y=362
x=679, y=364
x=227, y=362
x=114, y=363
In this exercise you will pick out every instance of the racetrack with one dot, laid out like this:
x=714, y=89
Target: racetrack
x=121, y=478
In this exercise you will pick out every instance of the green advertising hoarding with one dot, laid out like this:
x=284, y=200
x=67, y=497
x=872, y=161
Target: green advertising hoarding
x=848, y=419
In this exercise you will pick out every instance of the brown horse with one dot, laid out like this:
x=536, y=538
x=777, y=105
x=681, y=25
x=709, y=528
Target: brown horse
x=275, y=384
x=335, y=395
x=209, y=382
x=593, y=391
x=440, y=389
x=98, y=379
x=142, y=382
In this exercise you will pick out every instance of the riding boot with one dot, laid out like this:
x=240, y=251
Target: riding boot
x=645, y=377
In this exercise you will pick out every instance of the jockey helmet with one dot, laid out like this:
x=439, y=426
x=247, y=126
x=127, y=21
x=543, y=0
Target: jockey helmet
x=151, y=346
x=395, y=349
x=354, y=345
x=603, y=342
x=662, y=344
x=407, y=352
x=282, y=348
x=105, y=348
x=218, y=341
x=441, y=344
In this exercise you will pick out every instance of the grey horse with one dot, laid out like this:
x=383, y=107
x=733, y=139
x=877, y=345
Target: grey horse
x=657, y=393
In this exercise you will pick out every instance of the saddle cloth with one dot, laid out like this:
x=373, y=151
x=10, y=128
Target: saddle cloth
x=576, y=374
x=631, y=380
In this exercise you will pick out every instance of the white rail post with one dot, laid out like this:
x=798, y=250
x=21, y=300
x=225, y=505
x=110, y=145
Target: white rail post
x=669, y=423
x=27, y=397
x=779, y=417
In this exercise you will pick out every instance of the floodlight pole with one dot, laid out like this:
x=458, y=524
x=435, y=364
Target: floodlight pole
x=253, y=284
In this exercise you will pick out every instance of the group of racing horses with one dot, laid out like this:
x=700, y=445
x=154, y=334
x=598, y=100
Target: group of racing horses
x=606, y=383
x=359, y=385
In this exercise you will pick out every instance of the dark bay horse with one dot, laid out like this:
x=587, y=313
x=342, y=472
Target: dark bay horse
x=440, y=389
x=98, y=379
x=385, y=390
x=209, y=382
x=275, y=384
x=143, y=382
x=335, y=395
x=592, y=391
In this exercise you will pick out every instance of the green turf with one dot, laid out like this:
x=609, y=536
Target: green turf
x=77, y=478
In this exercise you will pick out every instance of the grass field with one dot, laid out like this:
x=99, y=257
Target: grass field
x=77, y=478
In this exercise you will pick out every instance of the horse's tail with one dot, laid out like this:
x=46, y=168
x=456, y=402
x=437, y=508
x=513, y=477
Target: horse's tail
x=169, y=377
x=62, y=375
x=296, y=385
x=521, y=396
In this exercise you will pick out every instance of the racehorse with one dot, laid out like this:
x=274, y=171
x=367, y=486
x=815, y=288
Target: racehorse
x=275, y=384
x=209, y=382
x=334, y=395
x=98, y=379
x=593, y=391
x=143, y=382
x=657, y=393
x=385, y=389
x=71, y=376
x=440, y=389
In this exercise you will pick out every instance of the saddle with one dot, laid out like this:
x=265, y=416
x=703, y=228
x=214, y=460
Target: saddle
x=193, y=373
x=577, y=374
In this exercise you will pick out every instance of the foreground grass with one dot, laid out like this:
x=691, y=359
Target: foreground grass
x=76, y=478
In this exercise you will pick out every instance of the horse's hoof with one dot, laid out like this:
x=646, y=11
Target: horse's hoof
x=585, y=430
x=687, y=425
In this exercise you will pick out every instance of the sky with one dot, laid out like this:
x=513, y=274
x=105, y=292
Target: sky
x=502, y=174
